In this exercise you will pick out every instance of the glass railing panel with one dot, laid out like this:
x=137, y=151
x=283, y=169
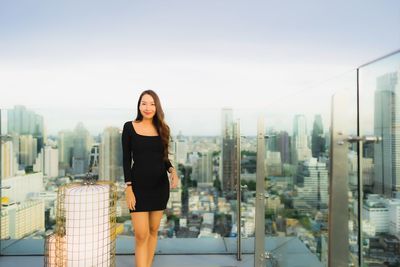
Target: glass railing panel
x=42, y=149
x=380, y=118
x=298, y=170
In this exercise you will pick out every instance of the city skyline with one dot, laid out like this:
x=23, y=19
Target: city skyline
x=56, y=120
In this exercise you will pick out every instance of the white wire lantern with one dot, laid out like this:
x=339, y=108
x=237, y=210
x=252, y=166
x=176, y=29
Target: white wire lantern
x=53, y=242
x=85, y=226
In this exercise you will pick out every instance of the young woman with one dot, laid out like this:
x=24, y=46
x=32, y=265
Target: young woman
x=145, y=141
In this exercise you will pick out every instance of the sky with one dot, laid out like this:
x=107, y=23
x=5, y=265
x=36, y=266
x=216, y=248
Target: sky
x=276, y=58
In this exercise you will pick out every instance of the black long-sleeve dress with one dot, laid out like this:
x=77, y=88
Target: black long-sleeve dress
x=148, y=173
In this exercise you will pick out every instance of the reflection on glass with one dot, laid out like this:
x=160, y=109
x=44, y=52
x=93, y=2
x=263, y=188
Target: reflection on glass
x=297, y=203
x=380, y=117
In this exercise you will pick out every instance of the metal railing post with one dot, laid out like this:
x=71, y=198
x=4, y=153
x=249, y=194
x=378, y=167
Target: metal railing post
x=238, y=195
x=259, y=253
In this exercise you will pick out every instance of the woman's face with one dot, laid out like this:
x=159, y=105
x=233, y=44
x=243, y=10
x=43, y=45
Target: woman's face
x=147, y=106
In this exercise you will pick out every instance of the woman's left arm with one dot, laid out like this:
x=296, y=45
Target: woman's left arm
x=173, y=174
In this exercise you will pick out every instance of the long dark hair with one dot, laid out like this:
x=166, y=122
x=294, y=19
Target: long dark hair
x=158, y=120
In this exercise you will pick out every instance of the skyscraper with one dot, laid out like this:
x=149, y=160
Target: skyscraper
x=272, y=141
x=27, y=134
x=283, y=146
x=229, y=153
x=65, y=145
x=300, y=148
x=110, y=161
x=82, y=144
x=27, y=150
x=317, y=138
x=387, y=126
x=181, y=149
x=47, y=162
x=274, y=163
x=23, y=121
x=8, y=164
x=315, y=183
x=94, y=159
x=203, y=169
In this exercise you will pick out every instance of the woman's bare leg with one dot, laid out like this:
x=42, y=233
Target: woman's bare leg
x=154, y=224
x=141, y=225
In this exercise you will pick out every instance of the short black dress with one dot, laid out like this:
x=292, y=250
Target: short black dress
x=148, y=173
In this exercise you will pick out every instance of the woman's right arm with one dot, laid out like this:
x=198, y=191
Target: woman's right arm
x=127, y=164
x=126, y=154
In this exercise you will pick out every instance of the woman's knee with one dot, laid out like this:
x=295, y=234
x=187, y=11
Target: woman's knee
x=141, y=236
x=153, y=230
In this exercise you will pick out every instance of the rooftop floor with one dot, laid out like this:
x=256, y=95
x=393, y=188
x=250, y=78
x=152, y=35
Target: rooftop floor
x=205, y=252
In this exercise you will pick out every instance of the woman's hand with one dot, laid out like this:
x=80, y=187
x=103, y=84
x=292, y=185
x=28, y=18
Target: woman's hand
x=130, y=198
x=174, y=179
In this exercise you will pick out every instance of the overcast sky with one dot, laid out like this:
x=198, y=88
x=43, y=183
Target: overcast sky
x=270, y=56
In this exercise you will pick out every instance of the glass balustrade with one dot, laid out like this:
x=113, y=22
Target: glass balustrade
x=331, y=180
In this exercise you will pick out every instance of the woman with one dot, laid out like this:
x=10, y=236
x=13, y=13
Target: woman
x=145, y=141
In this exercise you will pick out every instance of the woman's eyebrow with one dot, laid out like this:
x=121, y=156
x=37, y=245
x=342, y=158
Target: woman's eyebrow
x=146, y=102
